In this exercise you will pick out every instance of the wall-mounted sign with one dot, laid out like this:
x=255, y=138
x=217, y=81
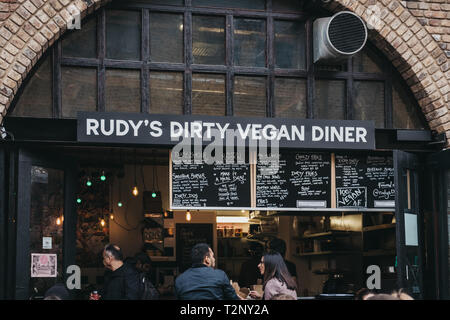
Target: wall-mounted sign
x=43, y=265
x=46, y=242
x=151, y=129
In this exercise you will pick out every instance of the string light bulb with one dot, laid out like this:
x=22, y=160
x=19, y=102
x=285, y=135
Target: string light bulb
x=135, y=191
x=89, y=182
x=120, y=204
x=188, y=216
x=103, y=177
x=102, y=222
x=58, y=221
x=111, y=216
x=78, y=200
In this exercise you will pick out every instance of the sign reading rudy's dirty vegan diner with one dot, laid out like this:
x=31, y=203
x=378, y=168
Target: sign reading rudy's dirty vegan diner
x=151, y=129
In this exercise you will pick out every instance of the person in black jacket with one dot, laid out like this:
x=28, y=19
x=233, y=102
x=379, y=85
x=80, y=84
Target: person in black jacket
x=202, y=281
x=121, y=279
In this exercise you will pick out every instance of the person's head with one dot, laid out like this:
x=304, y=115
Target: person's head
x=112, y=257
x=256, y=249
x=57, y=292
x=143, y=262
x=277, y=245
x=401, y=295
x=382, y=296
x=202, y=254
x=363, y=294
x=282, y=296
x=272, y=265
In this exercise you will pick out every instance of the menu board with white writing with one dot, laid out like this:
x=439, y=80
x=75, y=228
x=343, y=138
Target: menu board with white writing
x=223, y=183
x=364, y=181
x=293, y=180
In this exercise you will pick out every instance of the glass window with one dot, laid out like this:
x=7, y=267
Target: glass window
x=81, y=43
x=367, y=61
x=406, y=111
x=123, y=90
x=79, y=90
x=369, y=101
x=208, y=94
x=166, y=92
x=166, y=29
x=46, y=220
x=290, y=44
x=249, y=96
x=287, y=5
x=290, y=98
x=36, y=98
x=123, y=35
x=242, y=4
x=250, y=42
x=208, y=44
x=330, y=99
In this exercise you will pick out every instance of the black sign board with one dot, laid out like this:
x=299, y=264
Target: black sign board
x=187, y=236
x=170, y=130
x=364, y=181
x=297, y=180
x=217, y=185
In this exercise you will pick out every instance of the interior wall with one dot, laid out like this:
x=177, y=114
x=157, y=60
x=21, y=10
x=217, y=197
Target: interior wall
x=126, y=228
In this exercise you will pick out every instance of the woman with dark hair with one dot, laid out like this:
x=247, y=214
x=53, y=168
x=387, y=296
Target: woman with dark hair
x=277, y=279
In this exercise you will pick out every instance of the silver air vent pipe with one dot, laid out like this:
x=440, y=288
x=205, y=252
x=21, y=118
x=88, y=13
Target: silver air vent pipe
x=338, y=37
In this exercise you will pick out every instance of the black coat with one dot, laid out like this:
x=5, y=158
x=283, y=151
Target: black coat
x=204, y=283
x=121, y=284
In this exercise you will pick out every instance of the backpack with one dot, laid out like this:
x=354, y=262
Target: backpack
x=147, y=290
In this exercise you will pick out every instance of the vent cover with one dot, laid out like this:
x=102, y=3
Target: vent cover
x=338, y=37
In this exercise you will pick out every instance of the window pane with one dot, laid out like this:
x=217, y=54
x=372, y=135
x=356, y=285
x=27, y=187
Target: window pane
x=290, y=44
x=329, y=100
x=46, y=220
x=287, y=5
x=369, y=102
x=243, y=4
x=249, y=99
x=208, y=40
x=166, y=29
x=406, y=112
x=367, y=61
x=290, y=98
x=81, y=43
x=123, y=90
x=166, y=92
x=208, y=94
x=36, y=98
x=79, y=90
x=250, y=42
x=123, y=35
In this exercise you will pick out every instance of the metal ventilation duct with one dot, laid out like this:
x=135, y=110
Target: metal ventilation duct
x=338, y=37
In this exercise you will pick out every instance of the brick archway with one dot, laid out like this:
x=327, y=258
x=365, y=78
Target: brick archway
x=32, y=26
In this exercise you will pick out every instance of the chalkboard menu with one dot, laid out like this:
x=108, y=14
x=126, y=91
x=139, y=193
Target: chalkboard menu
x=187, y=236
x=364, y=181
x=225, y=184
x=294, y=180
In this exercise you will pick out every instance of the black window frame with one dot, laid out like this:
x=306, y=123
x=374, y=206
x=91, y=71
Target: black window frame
x=146, y=66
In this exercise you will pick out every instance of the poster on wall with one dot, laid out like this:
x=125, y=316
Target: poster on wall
x=43, y=265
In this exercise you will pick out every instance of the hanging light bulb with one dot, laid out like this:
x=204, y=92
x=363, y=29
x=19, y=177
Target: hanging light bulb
x=103, y=176
x=102, y=222
x=120, y=204
x=135, y=191
x=89, y=182
x=78, y=200
x=188, y=216
x=58, y=221
x=111, y=216
x=153, y=194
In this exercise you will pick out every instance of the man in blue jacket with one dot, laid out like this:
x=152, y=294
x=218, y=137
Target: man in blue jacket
x=202, y=281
